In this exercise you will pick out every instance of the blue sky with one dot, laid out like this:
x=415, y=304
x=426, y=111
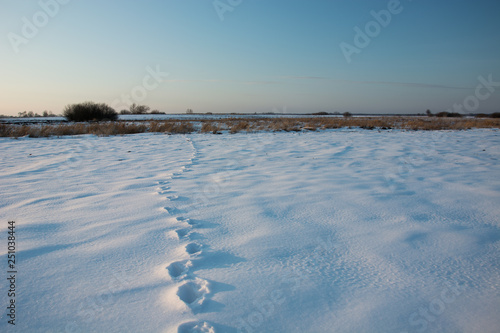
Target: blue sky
x=265, y=55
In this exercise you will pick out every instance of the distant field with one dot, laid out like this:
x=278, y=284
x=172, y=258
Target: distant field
x=217, y=124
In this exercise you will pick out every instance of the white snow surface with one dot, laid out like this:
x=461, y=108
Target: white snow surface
x=333, y=231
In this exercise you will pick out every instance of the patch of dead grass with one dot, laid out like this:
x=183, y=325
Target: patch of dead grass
x=235, y=125
x=210, y=127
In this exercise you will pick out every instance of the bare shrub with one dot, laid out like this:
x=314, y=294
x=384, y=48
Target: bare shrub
x=89, y=111
x=138, y=109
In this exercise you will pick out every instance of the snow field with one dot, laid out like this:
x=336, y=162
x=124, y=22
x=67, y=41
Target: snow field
x=344, y=231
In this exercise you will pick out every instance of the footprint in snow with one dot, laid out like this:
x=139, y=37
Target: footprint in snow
x=182, y=219
x=164, y=192
x=179, y=269
x=193, y=248
x=183, y=233
x=196, y=327
x=172, y=210
x=188, y=221
x=192, y=223
x=194, y=292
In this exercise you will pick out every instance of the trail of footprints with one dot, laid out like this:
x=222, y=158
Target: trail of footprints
x=193, y=291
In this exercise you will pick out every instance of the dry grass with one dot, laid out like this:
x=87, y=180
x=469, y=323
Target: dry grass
x=235, y=125
x=286, y=124
x=210, y=127
x=405, y=123
x=239, y=126
x=114, y=128
x=171, y=127
x=100, y=129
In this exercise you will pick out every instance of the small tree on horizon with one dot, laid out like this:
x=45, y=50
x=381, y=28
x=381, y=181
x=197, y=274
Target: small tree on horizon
x=139, y=109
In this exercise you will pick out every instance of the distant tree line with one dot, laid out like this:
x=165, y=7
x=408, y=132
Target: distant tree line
x=445, y=114
x=139, y=109
x=90, y=111
x=31, y=114
x=491, y=115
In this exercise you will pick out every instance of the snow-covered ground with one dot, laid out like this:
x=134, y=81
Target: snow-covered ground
x=333, y=231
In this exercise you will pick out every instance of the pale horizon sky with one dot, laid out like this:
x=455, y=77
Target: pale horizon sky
x=251, y=56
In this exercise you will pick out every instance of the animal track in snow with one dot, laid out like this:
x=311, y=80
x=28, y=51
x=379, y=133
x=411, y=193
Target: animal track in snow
x=172, y=210
x=182, y=219
x=164, y=192
x=179, y=269
x=183, y=233
x=193, y=248
x=196, y=327
x=194, y=292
